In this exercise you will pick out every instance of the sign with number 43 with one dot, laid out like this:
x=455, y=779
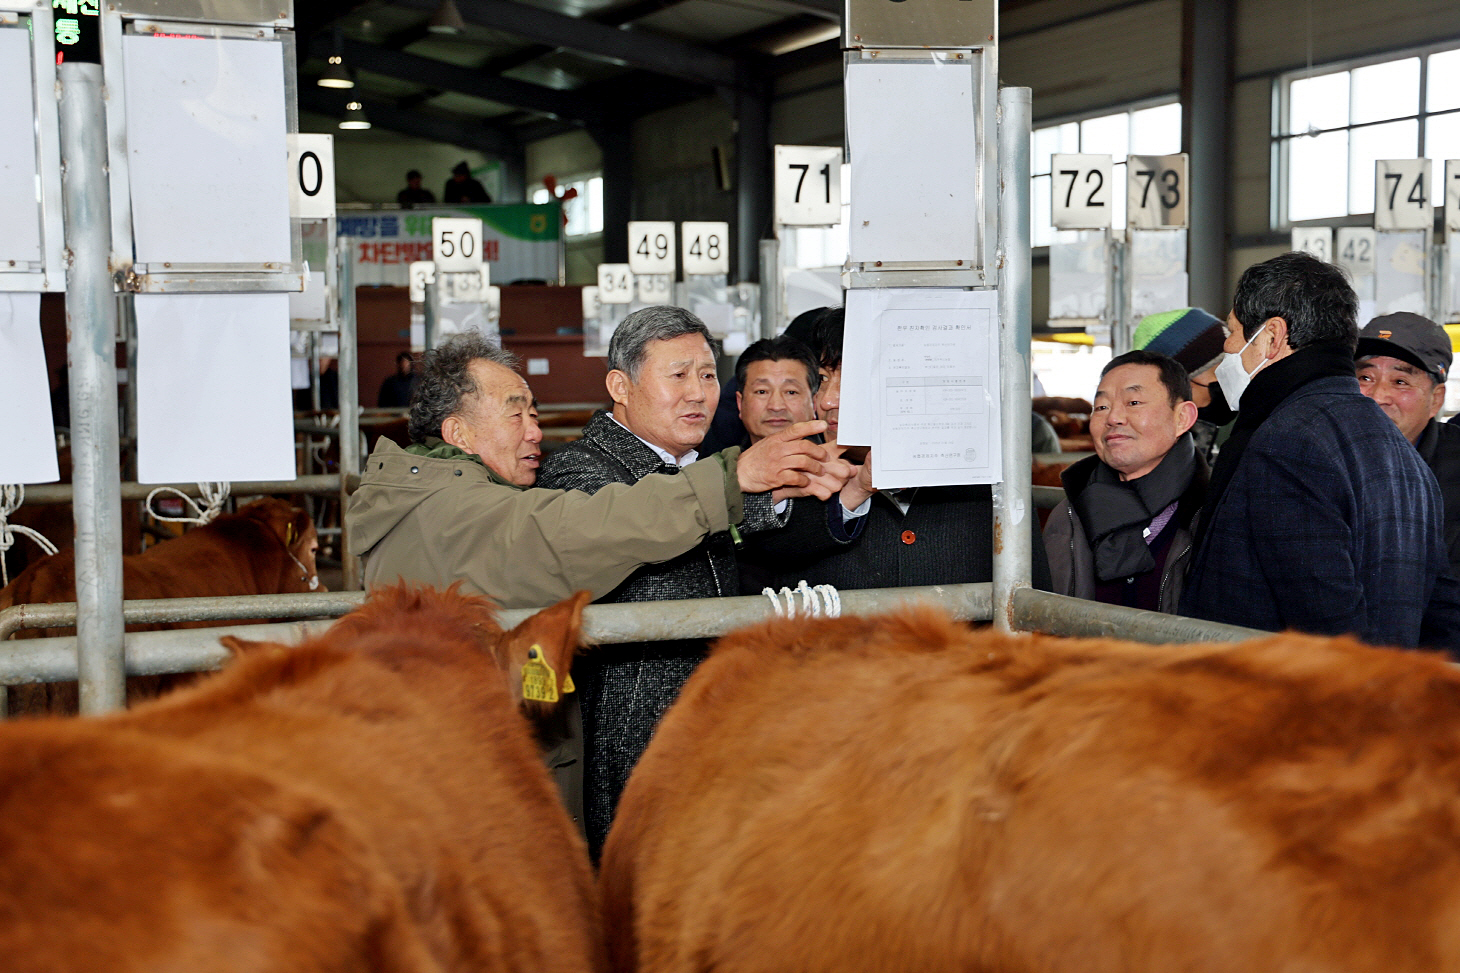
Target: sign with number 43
x=1317, y=240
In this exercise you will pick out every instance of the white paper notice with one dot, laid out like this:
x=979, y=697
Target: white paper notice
x=207, y=154
x=926, y=362
x=213, y=388
x=20, y=219
x=28, y=450
x=913, y=134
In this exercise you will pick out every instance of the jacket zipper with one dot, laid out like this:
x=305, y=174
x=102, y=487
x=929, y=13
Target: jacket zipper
x=1166, y=576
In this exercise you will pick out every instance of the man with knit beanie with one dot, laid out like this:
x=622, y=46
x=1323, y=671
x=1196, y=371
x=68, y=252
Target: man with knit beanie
x=1194, y=338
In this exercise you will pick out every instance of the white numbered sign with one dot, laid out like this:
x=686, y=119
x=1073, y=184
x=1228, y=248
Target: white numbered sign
x=656, y=289
x=423, y=272
x=1317, y=240
x=705, y=248
x=592, y=306
x=651, y=247
x=1080, y=187
x=1156, y=191
x=311, y=176
x=456, y=243
x=615, y=284
x=464, y=287
x=808, y=185
x=1354, y=250
x=1452, y=196
x=1402, y=194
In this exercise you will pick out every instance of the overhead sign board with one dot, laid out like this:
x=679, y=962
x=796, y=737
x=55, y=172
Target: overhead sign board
x=705, y=248
x=1080, y=191
x=1401, y=194
x=920, y=23
x=651, y=247
x=456, y=243
x=1156, y=191
x=808, y=185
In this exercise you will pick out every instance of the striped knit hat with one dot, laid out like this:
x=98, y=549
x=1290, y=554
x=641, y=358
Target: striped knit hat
x=1190, y=335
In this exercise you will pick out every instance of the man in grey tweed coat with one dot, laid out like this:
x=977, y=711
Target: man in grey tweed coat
x=664, y=388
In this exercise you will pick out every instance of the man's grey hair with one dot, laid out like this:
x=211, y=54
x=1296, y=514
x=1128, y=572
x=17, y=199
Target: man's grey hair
x=630, y=343
x=446, y=380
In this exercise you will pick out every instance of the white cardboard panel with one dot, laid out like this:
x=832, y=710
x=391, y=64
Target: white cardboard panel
x=913, y=168
x=310, y=304
x=207, y=154
x=28, y=446
x=20, y=219
x=213, y=388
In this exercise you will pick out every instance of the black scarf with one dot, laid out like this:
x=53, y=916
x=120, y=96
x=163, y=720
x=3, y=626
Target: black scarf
x=1115, y=512
x=1269, y=389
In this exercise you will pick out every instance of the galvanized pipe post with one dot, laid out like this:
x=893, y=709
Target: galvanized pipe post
x=772, y=289
x=1013, y=552
x=350, y=458
x=91, y=328
x=428, y=315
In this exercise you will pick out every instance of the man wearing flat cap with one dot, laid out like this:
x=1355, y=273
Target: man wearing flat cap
x=1402, y=361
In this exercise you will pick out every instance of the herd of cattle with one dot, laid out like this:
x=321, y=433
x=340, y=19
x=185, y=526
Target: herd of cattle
x=898, y=793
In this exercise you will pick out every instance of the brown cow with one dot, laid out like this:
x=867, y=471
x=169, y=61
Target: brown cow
x=267, y=547
x=370, y=801
x=904, y=794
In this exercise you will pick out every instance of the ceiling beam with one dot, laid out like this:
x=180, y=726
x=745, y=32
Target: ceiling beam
x=488, y=139
x=467, y=81
x=639, y=49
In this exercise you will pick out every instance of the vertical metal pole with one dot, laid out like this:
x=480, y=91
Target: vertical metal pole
x=428, y=314
x=1013, y=552
x=772, y=289
x=349, y=410
x=91, y=327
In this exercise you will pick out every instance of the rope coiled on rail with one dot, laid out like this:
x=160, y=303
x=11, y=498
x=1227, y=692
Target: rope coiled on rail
x=822, y=599
x=12, y=495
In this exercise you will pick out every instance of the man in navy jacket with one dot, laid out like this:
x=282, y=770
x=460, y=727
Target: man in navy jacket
x=1320, y=515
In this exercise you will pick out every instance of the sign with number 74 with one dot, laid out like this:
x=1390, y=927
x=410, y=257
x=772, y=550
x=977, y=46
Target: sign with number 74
x=1402, y=195
x=1156, y=190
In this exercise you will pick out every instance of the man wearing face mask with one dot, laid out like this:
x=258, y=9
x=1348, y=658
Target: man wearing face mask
x=1320, y=515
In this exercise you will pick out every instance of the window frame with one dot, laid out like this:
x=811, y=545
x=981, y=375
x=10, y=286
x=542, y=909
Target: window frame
x=1279, y=140
x=566, y=182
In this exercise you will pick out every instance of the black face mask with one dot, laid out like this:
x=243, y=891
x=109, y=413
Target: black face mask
x=1218, y=413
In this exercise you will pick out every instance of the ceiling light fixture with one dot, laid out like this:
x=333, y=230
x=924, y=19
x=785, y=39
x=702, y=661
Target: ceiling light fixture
x=446, y=20
x=336, y=75
x=355, y=119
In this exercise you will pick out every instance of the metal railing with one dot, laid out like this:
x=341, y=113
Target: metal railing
x=317, y=485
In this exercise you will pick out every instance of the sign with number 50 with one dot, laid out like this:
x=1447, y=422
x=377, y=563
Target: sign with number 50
x=1156, y=190
x=456, y=243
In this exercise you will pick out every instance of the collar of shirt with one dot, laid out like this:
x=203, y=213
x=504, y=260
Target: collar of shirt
x=663, y=454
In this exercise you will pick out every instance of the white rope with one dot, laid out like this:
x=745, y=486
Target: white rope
x=12, y=495
x=214, y=495
x=822, y=599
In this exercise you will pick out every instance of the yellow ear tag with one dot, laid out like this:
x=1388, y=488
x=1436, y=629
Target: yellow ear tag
x=568, y=686
x=539, y=681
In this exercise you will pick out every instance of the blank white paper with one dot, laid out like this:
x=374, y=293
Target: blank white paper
x=20, y=219
x=28, y=447
x=213, y=388
x=207, y=154
x=913, y=136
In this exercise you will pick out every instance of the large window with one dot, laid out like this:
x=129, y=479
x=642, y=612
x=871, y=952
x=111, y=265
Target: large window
x=1145, y=129
x=1332, y=125
x=584, y=211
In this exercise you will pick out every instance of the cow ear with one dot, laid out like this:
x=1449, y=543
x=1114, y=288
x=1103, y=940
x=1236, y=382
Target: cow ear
x=552, y=637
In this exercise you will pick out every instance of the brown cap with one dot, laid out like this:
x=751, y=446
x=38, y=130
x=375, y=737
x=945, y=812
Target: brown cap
x=1408, y=337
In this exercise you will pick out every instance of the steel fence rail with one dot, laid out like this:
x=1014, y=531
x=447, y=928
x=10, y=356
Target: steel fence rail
x=1041, y=611
x=317, y=484
x=197, y=650
x=145, y=611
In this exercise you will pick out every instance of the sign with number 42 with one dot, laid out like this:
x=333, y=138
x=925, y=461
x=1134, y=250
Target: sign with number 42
x=705, y=248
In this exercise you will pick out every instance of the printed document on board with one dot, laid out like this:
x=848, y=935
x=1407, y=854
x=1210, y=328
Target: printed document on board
x=920, y=385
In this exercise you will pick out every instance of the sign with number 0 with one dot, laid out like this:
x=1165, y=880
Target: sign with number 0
x=456, y=243
x=615, y=284
x=1080, y=191
x=1452, y=196
x=1401, y=194
x=808, y=185
x=1156, y=191
x=651, y=247
x=705, y=248
x=1354, y=250
x=311, y=176
x=1317, y=240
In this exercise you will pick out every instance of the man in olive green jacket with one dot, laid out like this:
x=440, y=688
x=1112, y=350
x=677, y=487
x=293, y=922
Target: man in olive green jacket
x=455, y=505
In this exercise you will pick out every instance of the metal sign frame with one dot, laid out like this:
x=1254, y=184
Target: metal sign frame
x=187, y=278
x=50, y=273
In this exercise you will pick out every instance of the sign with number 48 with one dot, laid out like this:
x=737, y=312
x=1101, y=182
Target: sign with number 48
x=1401, y=194
x=705, y=248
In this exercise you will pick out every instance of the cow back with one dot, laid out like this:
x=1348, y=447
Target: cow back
x=904, y=794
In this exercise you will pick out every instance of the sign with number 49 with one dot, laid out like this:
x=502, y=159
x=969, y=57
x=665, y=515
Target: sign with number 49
x=651, y=247
x=705, y=248
x=1401, y=194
